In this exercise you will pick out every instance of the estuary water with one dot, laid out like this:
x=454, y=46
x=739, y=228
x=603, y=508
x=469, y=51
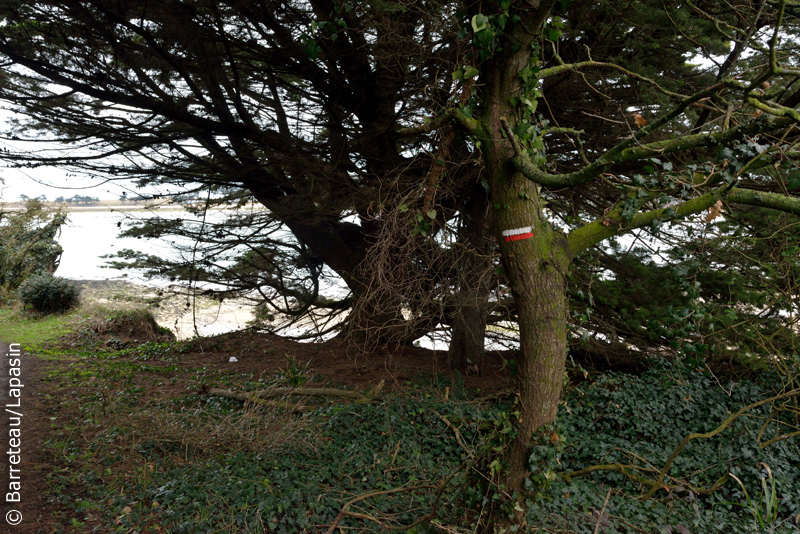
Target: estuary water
x=88, y=236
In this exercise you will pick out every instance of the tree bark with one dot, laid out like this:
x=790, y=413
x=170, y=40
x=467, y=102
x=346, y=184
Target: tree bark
x=537, y=265
x=536, y=259
x=469, y=332
x=471, y=302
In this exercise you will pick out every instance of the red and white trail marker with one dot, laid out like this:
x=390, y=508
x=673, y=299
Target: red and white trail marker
x=517, y=234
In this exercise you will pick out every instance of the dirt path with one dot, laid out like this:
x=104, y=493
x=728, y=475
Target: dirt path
x=33, y=513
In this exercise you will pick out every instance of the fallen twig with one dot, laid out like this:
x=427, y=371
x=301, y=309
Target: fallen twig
x=730, y=419
x=659, y=483
x=257, y=397
x=424, y=519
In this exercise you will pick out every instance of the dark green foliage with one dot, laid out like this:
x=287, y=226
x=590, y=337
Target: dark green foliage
x=27, y=243
x=361, y=449
x=640, y=420
x=723, y=294
x=46, y=293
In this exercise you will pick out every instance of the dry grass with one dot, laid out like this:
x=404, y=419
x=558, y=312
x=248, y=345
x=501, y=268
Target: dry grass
x=200, y=432
x=204, y=432
x=115, y=328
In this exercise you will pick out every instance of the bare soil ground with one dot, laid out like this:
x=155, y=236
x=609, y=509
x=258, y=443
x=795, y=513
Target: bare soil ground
x=36, y=508
x=339, y=362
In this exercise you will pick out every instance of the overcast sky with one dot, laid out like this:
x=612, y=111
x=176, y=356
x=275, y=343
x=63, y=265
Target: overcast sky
x=55, y=183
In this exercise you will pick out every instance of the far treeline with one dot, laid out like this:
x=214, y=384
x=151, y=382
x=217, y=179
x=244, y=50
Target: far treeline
x=75, y=199
x=607, y=181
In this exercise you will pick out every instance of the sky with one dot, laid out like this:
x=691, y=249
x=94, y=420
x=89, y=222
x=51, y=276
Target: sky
x=53, y=183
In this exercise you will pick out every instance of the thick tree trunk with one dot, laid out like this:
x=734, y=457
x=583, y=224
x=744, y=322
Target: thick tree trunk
x=540, y=293
x=536, y=260
x=468, y=332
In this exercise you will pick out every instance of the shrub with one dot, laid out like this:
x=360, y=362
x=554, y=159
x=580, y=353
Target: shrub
x=49, y=294
x=28, y=243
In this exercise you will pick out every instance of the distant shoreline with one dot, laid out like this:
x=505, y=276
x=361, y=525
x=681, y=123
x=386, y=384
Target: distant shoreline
x=104, y=206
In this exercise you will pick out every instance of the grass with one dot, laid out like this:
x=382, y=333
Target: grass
x=32, y=330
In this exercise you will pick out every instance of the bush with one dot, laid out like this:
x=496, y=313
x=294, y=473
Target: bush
x=49, y=294
x=28, y=243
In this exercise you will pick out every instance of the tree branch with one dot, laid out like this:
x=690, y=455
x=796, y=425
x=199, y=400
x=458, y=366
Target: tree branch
x=575, y=67
x=613, y=223
x=765, y=199
x=452, y=114
x=730, y=419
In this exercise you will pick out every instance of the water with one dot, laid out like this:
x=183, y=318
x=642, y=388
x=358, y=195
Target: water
x=89, y=235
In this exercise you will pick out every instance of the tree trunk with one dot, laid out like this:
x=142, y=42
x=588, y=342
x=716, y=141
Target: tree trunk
x=540, y=293
x=469, y=331
x=471, y=302
x=536, y=260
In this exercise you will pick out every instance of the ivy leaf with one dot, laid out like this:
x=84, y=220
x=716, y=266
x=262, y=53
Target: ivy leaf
x=458, y=75
x=479, y=22
x=431, y=214
x=483, y=39
x=552, y=34
x=530, y=105
x=470, y=72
